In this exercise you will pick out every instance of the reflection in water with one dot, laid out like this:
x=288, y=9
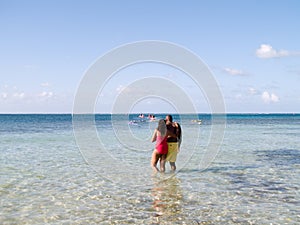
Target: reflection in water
x=167, y=199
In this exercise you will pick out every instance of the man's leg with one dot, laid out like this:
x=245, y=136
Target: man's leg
x=173, y=166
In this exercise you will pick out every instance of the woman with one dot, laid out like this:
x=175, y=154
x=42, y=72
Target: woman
x=161, y=147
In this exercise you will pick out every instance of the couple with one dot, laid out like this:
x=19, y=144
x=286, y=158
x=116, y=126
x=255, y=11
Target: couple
x=168, y=139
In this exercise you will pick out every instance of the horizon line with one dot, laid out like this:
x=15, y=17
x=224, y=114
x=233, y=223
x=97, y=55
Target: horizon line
x=146, y=113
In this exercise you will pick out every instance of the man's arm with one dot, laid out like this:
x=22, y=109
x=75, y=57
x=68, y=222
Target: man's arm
x=178, y=133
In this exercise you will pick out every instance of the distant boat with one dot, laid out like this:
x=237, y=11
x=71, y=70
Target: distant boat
x=197, y=121
x=134, y=122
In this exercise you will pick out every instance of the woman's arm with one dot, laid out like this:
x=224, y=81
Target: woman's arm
x=154, y=136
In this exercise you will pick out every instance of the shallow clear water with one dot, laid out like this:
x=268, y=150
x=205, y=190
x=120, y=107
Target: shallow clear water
x=46, y=178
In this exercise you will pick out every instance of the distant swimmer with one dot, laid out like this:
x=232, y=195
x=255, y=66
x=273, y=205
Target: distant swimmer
x=151, y=117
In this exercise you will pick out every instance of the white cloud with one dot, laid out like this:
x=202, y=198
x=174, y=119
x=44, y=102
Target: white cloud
x=238, y=96
x=252, y=91
x=267, y=51
x=120, y=88
x=19, y=95
x=269, y=98
x=46, y=84
x=3, y=95
x=234, y=72
x=46, y=94
x=274, y=98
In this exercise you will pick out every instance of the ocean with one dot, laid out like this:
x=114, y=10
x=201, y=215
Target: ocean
x=96, y=170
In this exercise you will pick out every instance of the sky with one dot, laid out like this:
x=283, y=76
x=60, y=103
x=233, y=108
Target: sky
x=251, y=47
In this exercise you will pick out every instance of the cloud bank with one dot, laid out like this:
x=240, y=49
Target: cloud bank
x=234, y=72
x=266, y=51
x=269, y=97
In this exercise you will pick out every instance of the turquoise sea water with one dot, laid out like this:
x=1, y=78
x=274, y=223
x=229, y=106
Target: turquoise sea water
x=46, y=178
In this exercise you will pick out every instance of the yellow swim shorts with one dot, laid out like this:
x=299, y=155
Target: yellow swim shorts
x=172, y=151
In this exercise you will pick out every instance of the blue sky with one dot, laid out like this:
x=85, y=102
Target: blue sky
x=251, y=47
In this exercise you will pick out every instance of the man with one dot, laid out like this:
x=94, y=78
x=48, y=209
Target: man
x=174, y=141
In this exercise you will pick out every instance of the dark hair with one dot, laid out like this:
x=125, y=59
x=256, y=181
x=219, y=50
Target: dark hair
x=162, y=127
x=170, y=118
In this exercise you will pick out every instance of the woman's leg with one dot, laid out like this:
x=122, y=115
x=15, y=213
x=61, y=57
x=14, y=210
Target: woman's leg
x=154, y=160
x=163, y=163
